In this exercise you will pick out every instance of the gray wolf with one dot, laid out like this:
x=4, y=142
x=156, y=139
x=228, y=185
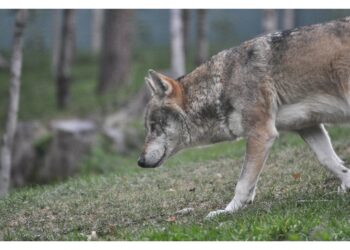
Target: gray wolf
x=294, y=80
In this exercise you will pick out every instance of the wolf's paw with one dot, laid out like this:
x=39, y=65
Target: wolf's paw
x=342, y=189
x=213, y=214
x=345, y=186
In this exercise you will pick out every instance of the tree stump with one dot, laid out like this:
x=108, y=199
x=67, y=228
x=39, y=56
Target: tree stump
x=25, y=154
x=72, y=140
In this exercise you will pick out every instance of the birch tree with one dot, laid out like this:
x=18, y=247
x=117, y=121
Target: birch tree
x=14, y=95
x=116, y=49
x=288, y=19
x=176, y=40
x=269, y=21
x=56, y=38
x=186, y=15
x=202, y=37
x=96, y=30
x=65, y=59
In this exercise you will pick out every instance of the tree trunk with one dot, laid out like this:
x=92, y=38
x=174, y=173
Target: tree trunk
x=288, y=19
x=116, y=49
x=56, y=43
x=65, y=59
x=202, y=33
x=14, y=95
x=96, y=30
x=269, y=21
x=186, y=30
x=177, y=48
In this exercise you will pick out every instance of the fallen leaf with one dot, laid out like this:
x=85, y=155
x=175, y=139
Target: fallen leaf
x=112, y=228
x=192, y=189
x=296, y=176
x=171, y=219
x=219, y=175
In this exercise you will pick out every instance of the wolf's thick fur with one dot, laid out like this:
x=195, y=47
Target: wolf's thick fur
x=292, y=80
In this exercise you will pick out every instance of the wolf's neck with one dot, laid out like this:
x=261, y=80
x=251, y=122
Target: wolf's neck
x=202, y=86
x=205, y=84
x=205, y=97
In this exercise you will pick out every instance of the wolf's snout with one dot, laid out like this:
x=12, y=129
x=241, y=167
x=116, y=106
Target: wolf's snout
x=142, y=161
x=149, y=162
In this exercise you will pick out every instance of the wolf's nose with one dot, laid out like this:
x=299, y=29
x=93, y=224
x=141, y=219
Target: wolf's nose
x=141, y=161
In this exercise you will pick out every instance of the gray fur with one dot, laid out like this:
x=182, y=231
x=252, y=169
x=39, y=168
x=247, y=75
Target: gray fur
x=291, y=80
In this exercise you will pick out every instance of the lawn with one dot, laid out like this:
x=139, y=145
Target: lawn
x=296, y=199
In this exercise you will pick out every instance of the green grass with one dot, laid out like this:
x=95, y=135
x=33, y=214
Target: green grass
x=130, y=203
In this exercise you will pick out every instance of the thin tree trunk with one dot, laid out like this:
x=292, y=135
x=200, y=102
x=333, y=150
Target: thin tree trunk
x=186, y=14
x=288, y=19
x=177, y=48
x=202, y=37
x=14, y=95
x=116, y=49
x=269, y=21
x=65, y=59
x=96, y=30
x=56, y=43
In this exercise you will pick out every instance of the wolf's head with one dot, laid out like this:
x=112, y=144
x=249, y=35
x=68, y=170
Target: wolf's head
x=165, y=121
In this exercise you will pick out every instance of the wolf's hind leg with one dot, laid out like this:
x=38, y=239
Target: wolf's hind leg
x=318, y=140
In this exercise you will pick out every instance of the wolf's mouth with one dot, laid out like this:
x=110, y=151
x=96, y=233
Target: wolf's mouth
x=158, y=163
x=142, y=163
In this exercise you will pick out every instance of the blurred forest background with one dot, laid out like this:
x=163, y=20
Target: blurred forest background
x=82, y=91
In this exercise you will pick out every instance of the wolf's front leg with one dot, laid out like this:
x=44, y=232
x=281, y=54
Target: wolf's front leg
x=257, y=150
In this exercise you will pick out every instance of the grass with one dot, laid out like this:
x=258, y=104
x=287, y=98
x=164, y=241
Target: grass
x=296, y=199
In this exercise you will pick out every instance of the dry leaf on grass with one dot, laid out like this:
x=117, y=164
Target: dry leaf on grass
x=171, y=219
x=296, y=176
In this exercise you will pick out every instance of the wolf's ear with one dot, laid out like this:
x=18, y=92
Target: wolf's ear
x=159, y=84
